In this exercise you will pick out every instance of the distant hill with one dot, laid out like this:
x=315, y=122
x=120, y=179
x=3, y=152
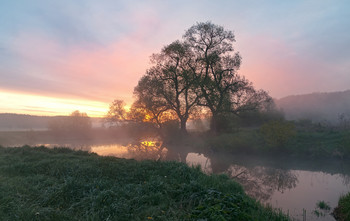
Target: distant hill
x=318, y=107
x=20, y=122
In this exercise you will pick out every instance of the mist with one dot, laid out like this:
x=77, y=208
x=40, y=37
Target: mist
x=197, y=132
x=331, y=108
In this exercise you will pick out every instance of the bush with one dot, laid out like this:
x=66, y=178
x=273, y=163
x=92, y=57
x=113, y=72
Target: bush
x=277, y=133
x=242, y=141
x=344, y=144
x=257, y=118
x=342, y=211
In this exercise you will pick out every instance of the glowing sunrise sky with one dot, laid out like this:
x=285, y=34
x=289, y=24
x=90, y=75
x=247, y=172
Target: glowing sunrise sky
x=61, y=56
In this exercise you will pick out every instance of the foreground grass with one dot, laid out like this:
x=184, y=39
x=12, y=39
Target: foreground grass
x=61, y=184
x=342, y=212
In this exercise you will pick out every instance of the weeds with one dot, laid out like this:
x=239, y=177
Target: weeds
x=322, y=208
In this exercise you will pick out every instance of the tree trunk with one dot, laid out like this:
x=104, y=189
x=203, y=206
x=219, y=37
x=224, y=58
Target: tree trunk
x=214, y=123
x=183, y=125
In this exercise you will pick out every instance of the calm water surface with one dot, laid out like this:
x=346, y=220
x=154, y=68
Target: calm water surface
x=292, y=190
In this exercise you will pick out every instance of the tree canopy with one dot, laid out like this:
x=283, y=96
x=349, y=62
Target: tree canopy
x=198, y=72
x=222, y=89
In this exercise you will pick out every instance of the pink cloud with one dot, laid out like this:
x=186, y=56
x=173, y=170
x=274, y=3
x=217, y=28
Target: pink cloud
x=103, y=72
x=276, y=66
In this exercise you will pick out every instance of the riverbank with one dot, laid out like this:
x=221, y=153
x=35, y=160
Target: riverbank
x=275, y=138
x=56, y=184
x=326, y=144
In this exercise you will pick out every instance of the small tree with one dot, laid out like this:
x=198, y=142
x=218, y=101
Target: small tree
x=116, y=112
x=144, y=118
x=79, y=121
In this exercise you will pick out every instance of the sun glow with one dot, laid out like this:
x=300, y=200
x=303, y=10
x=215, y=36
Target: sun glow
x=151, y=144
x=148, y=117
x=42, y=105
x=148, y=143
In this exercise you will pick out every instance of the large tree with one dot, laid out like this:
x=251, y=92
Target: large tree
x=198, y=72
x=170, y=84
x=222, y=89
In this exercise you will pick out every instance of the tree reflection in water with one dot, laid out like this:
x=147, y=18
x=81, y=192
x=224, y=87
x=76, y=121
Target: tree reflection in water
x=261, y=182
x=258, y=181
x=346, y=179
x=151, y=148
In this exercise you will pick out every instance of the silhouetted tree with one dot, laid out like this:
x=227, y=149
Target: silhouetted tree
x=150, y=106
x=222, y=89
x=117, y=112
x=136, y=122
x=170, y=84
x=77, y=124
x=198, y=72
x=79, y=121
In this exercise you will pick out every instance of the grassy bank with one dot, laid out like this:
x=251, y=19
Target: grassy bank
x=61, y=184
x=342, y=211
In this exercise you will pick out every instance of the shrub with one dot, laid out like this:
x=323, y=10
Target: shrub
x=277, y=133
x=342, y=211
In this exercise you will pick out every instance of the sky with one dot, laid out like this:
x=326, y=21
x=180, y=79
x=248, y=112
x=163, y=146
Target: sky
x=61, y=56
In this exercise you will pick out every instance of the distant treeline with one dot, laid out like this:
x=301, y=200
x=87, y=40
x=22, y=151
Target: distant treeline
x=332, y=107
x=15, y=122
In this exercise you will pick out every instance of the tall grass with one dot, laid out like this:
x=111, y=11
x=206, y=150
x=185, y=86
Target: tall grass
x=61, y=184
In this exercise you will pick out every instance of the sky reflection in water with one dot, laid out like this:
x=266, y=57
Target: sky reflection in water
x=290, y=189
